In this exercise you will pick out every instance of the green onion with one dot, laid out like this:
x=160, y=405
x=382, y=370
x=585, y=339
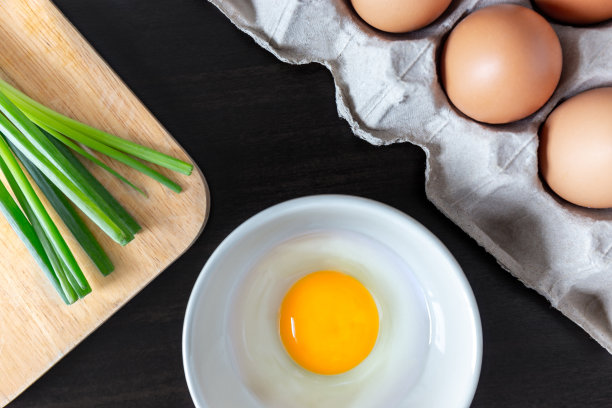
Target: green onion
x=67, y=285
x=118, y=143
x=40, y=151
x=126, y=219
x=25, y=231
x=44, y=141
x=49, y=123
x=69, y=143
x=15, y=176
x=70, y=217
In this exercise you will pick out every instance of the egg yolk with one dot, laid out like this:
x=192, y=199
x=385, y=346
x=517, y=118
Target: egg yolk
x=328, y=322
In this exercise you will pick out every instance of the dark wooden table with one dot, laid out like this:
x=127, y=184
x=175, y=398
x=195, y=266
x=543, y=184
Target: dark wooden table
x=264, y=132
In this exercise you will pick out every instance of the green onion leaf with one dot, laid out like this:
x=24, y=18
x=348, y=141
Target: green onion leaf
x=48, y=123
x=126, y=219
x=43, y=153
x=69, y=143
x=27, y=196
x=28, y=236
x=70, y=217
x=118, y=143
x=67, y=289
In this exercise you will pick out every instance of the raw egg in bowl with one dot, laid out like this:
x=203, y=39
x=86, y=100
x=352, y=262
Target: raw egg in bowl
x=331, y=301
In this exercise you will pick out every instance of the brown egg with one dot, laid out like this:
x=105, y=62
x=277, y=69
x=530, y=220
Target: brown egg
x=501, y=63
x=575, y=150
x=399, y=16
x=577, y=11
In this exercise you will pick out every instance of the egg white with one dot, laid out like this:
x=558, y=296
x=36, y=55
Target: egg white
x=384, y=378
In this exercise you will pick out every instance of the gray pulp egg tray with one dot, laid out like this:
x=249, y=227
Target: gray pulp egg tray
x=483, y=177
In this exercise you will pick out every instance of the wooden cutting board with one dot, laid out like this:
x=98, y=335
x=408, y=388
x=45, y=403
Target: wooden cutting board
x=44, y=55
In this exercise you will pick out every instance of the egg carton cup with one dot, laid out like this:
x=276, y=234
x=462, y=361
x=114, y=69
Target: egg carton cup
x=483, y=177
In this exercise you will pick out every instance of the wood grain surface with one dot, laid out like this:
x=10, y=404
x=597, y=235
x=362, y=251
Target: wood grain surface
x=41, y=53
x=264, y=132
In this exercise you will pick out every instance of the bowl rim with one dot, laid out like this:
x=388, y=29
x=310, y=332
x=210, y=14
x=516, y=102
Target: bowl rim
x=265, y=216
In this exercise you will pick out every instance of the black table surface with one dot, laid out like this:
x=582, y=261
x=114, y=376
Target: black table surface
x=264, y=132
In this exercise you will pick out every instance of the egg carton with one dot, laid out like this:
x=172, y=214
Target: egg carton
x=483, y=177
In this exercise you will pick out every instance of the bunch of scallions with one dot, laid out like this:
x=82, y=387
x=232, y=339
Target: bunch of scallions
x=44, y=142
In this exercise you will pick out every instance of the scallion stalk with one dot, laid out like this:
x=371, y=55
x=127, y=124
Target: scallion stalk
x=22, y=227
x=142, y=152
x=43, y=141
x=69, y=216
x=48, y=123
x=65, y=177
x=15, y=176
x=121, y=213
x=72, y=145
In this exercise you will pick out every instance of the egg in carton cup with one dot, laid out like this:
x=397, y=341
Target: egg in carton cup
x=484, y=177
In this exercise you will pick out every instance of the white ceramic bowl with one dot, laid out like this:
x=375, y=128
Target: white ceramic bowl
x=452, y=361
